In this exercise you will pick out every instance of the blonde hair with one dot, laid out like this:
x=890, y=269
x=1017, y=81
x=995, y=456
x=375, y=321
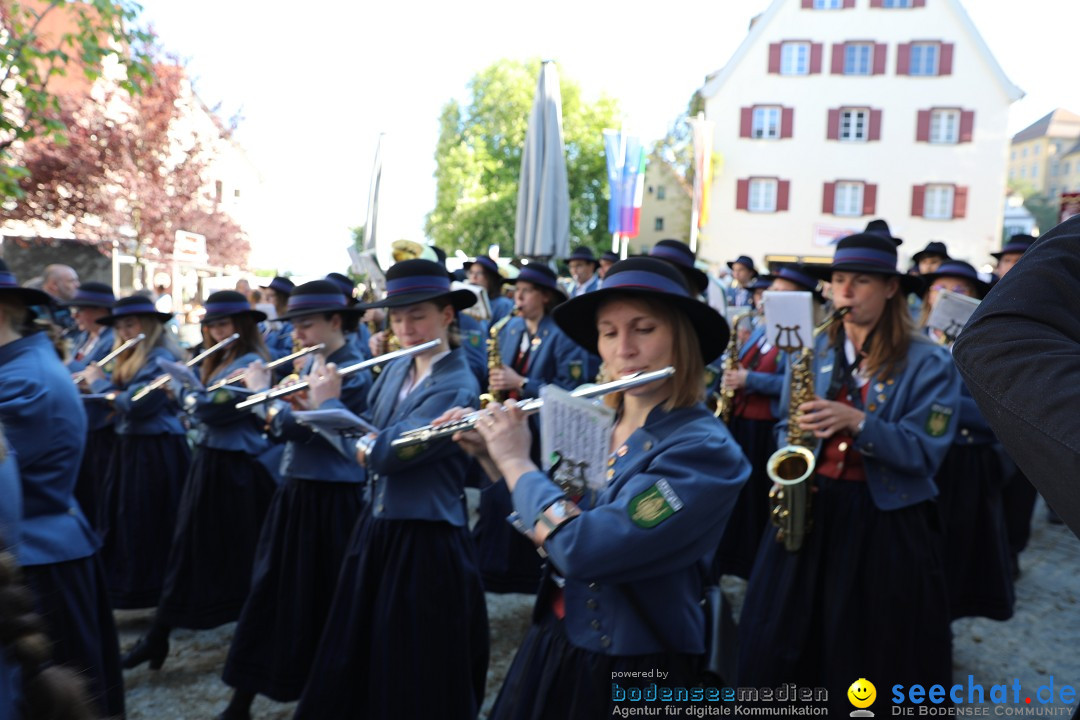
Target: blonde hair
x=128, y=364
x=250, y=340
x=688, y=383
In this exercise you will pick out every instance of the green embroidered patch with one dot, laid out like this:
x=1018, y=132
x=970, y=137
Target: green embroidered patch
x=576, y=370
x=410, y=452
x=222, y=396
x=474, y=339
x=654, y=506
x=711, y=374
x=937, y=423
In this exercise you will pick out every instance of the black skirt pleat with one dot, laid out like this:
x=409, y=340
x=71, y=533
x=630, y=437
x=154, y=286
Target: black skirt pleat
x=92, y=472
x=409, y=608
x=864, y=597
x=508, y=560
x=137, y=515
x=217, y=528
x=977, y=562
x=297, y=561
x=738, y=547
x=72, y=598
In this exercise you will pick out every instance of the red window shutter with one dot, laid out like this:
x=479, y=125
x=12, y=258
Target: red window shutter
x=959, y=202
x=869, y=199
x=881, y=51
x=875, y=3
x=746, y=122
x=808, y=4
x=945, y=61
x=834, y=125
x=848, y=4
x=874, y=131
x=783, y=192
x=919, y=3
x=918, y=200
x=787, y=121
x=815, y=58
x=922, y=128
x=828, y=199
x=837, y=59
x=774, y=57
x=967, y=125
x=903, y=58
x=742, y=195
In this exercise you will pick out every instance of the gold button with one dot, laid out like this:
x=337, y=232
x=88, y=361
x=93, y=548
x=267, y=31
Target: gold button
x=881, y=398
x=879, y=387
x=872, y=407
x=890, y=381
x=623, y=450
x=610, y=461
x=648, y=445
x=610, y=474
x=842, y=447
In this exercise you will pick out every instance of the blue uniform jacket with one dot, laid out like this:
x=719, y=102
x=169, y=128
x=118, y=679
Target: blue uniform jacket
x=361, y=337
x=555, y=359
x=474, y=334
x=765, y=383
x=278, y=338
x=220, y=425
x=10, y=501
x=45, y=424
x=310, y=456
x=664, y=510
x=501, y=306
x=420, y=482
x=591, y=284
x=909, y=422
x=98, y=415
x=152, y=415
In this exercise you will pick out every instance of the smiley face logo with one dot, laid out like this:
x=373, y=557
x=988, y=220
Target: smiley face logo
x=862, y=693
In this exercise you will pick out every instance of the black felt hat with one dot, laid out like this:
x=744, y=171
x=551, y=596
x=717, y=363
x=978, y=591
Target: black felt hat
x=681, y=256
x=745, y=261
x=414, y=281
x=934, y=247
x=317, y=297
x=229, y=303
x=92, y=294
x=1016, y=244
x=133, y=305
x=865, y=253
x=583, y=252
x=960, y=269
x=881, y=228
x=542, y=276
x=489, y=265
x=652, y=278
x=10, y=287
x=280, y=284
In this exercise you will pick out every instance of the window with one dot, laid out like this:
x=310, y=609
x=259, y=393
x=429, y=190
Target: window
x=938, y=202
x=1024, y=153
x=848, y=199
x=896, y=3
x=217, y=190
x=795, y=58
x=1065, y=168
x=828, y=4
x=659, y=224
x=1012, y=174
x=1053, y=169
x=1035, y=150
x=945, y=126
x=853, y=124
x=1012, y=156
x=1023, y=171
x=924, y=59
x=661, y=192
x=1035, y=169
x=766, y=123
x=858, y=58
x=1053, y=191
x=762, y=196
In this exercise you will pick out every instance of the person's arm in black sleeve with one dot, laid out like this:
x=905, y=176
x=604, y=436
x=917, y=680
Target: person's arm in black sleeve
x=1020, y=358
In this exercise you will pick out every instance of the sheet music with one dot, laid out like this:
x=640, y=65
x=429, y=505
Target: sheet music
x=951, y=313
x=789, y=320
x=577, y=432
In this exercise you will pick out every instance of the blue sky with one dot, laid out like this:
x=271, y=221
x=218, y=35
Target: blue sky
x=316, y=84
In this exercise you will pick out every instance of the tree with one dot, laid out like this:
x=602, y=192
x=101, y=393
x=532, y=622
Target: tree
x=133, y=167
x=42, y=41
x=677, y=146
x=1044, y=209
x=478, y=158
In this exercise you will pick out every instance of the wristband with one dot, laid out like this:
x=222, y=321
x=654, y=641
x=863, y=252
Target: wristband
x=553, y=517
x=364, y=447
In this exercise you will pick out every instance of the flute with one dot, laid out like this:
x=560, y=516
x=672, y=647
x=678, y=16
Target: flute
x=161, y=381
x=433, y=432
x=79, y=377
x=269, y=366
x=275, y=393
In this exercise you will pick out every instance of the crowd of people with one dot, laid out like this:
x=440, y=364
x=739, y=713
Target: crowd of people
x=128, y=480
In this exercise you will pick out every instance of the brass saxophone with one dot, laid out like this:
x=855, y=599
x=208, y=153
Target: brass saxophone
x=793, y=465
x=494, y=359
x=725, y=396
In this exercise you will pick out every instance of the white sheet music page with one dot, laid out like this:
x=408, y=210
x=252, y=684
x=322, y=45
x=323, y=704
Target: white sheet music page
x=576, y=432
x=789, y=320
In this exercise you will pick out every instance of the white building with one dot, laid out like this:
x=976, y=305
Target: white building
x=834, y=112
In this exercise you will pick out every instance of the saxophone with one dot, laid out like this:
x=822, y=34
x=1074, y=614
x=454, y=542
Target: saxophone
x=494, y=359
x=725, y=396
x=793, y=465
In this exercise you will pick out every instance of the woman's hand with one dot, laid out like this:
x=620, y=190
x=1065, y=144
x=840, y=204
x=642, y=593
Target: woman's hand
x=825, y=418
x=735, y=379
x=504, y=378
x=256, y=377
x=324, y=382
x=505, y=431
x=91, y=374
x=377, y=343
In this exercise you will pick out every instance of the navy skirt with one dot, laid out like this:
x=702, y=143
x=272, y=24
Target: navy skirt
x=72, y=598
x=977, y=560
x=409, y=609
x=297, y=562
x=91, y=483
x=137, y=515
x=738, y=547
x=552, y=678
x=217, y=528
x=864, y=597
x=508, y=560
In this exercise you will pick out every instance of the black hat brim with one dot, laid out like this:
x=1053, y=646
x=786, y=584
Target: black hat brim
x=460, y=299
x=981, y=286
x=256, y=315
x=732, y=263
x=85, y=304
x=917, y=257
x=908, y=283
x=28, y=296
x=328, y=310
x=110, y=320
x=557, y=290
x=577, y=318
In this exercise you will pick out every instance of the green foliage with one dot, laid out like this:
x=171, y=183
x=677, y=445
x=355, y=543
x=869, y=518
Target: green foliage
x=32, y=54
x=479, y=160
x=1045, y=210
x=677, y=146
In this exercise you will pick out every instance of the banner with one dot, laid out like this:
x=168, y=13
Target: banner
x=703, y=170
x=626, y=180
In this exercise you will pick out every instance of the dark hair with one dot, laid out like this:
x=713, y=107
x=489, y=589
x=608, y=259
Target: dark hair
x=890, y=341
x=250, y=340
x=52, y=692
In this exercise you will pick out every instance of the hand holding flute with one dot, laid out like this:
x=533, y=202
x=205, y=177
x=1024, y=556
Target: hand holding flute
x=94, y=372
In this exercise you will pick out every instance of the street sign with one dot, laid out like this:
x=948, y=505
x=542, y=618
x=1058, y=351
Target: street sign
x=190, y=247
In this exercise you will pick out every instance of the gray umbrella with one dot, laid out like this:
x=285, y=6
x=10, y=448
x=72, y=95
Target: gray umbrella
x=543, y=209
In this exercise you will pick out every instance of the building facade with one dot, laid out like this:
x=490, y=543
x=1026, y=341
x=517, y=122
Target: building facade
x=834, y=112
x=665, y=207
x=1043, y=155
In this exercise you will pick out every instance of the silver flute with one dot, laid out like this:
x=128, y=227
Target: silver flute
x=433, y=432
x=275, y=393
x=80, y=376
x=161, y=381
x=269, y=366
